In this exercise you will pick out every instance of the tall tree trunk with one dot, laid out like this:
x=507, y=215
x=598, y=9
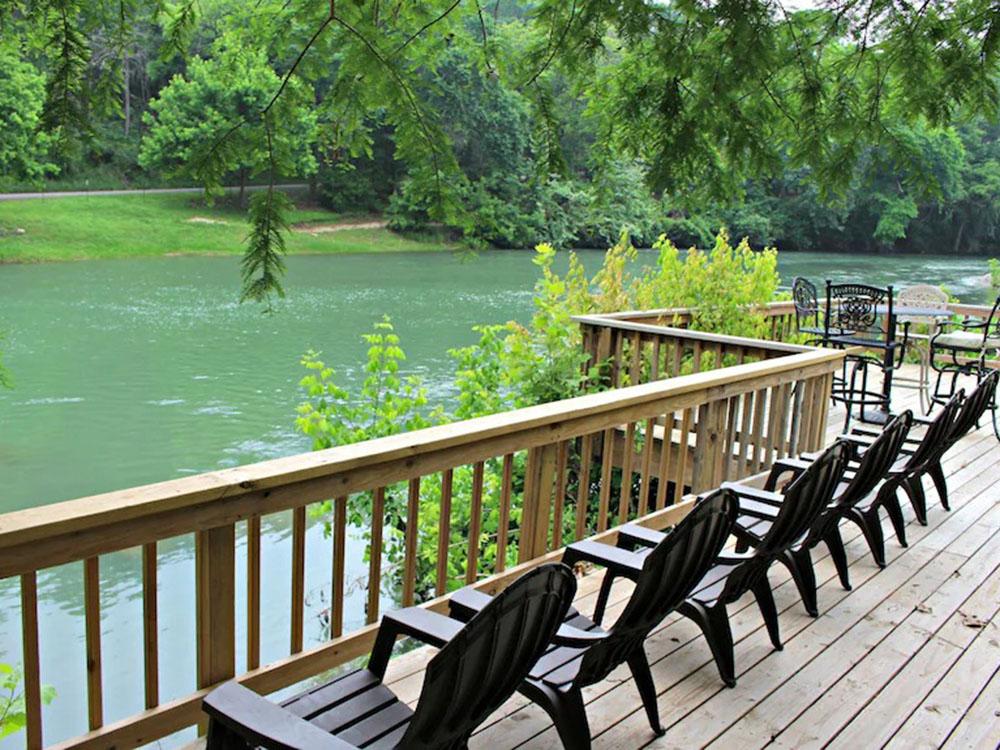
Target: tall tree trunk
x=958, y=237
x=127, y=94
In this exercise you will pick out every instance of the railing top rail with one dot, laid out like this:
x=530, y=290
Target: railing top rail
x=58, y=532
x=777, y=307
x=692, y=335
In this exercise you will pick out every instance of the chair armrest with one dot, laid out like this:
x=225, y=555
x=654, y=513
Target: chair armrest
x=265, y=724
x=763, y=496
x=795, y=466
x=621, y=561
x=567, y=635
x=415, y=622
x=465, y=603
x=632, y=535
x=762, y=511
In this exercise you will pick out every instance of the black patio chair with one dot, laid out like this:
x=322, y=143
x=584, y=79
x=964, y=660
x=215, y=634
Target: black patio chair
x=807, y=310
x=736, y=573
x=479, y=666
x=964, y=349
x=869, y=465
x=966, y=418
x=664, y=576
x=859, y=315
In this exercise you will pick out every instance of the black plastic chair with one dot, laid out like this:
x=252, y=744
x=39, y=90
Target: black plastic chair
x=807, y=311
x=966, y=418
x=664, y=577
x=479, y=666
x=963, y=349
x=868, y=468
x=736, y=573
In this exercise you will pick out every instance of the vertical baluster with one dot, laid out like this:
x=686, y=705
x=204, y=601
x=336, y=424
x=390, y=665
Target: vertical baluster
x=757, y=438
x=539, y=483
x=503, y=524
x=717, y=357
x=795, y=417
x=92, y=626
x=655, y=367
x=150, y=628
x=559, y=501
x=475, y=524
x=410, y=542
x=616, y=366
x=604, y=499
x=298, y=578
x=444, y=532
x=774, y=425
x=744, y=438
x=646, y=467
x=678, y=358
x=337, y=589
x=666, y=450
x=375, y=556
x=583, y=485
x=635, y=367
x=32, y=682
x=625, y=493
x=731, y=428
x=682, y=458
x=696, y=363
x=253, y=592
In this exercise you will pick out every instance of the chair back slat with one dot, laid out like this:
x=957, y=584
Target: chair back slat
x=806, y=301
x=670, y=573
x=934, y=442
x=480, y=668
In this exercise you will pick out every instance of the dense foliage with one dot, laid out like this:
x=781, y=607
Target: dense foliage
x=13, y=715
x=862, y=125
x=514, y=366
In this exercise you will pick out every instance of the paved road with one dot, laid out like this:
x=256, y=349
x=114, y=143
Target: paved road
x=150, y=191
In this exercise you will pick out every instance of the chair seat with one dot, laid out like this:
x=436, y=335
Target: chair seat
x=356, y=708
x=560, y=665
x=966, y=340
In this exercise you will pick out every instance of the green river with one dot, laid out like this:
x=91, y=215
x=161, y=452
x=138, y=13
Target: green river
x=134, y=371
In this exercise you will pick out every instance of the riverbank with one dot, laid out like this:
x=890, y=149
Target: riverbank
x=149, y=225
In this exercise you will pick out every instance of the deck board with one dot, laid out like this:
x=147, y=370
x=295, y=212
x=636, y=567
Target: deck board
x=894, y=662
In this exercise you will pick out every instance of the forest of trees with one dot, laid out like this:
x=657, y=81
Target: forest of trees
x=853, y=127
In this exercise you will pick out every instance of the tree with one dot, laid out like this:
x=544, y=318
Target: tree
x=189, y=122
x=23, y=150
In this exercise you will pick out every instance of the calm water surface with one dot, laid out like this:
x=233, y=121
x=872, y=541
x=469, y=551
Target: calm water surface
x=133, y=371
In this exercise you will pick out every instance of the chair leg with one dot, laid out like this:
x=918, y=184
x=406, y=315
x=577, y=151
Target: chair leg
x=714, y=623
x=914, y=489
x=765, y=602
x=892, y=507
x=567, y=711
x=799, y=563
x=937, y=474
x=639, y=665
x=602, y=596
x=870, y=525
x=838, y=553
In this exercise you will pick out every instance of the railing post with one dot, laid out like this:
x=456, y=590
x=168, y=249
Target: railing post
x=539, y=481
x=706, y=472
x=215, y=614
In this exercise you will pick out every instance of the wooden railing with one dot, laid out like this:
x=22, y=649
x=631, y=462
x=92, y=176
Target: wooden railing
x=573, y=468
x=780, y=318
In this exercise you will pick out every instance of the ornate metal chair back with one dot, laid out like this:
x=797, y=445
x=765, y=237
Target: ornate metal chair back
x=853, y=308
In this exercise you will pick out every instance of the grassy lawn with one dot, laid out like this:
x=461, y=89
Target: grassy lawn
x=145, y=225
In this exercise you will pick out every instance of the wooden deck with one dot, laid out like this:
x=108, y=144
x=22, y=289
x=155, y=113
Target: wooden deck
x=910, y=658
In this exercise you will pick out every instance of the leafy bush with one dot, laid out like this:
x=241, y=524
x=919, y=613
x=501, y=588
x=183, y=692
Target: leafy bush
x=995, y=274
x=13, y=716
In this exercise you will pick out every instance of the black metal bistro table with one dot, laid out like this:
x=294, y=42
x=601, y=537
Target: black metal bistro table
x=894, y=312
